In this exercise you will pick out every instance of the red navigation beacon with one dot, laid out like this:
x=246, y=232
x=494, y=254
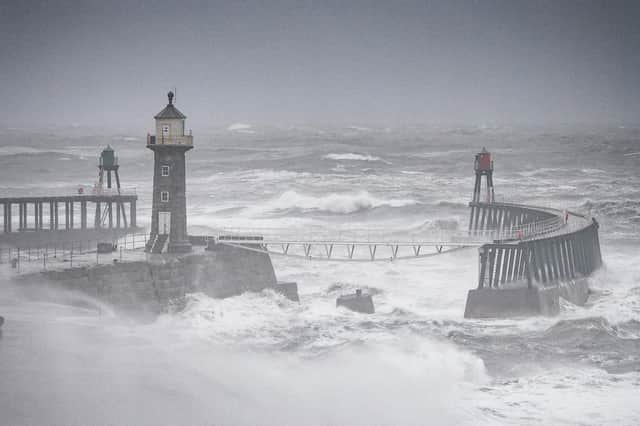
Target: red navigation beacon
x=483, y=166
x=483, y=161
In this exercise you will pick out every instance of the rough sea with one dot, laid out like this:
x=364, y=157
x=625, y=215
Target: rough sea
x=259, y=359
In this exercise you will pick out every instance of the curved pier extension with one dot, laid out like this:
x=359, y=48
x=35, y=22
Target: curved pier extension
x=545, y=254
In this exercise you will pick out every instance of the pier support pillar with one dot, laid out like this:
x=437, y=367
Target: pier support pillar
x=56, y=215
x=41, y=216
x=51, y=221
x=98, y=216
x=83, y=214
x=9, y=217
x=21, y=214
x=66, y=215
x=132, y=214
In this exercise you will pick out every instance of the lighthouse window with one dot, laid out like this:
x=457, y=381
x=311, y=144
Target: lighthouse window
x=164, y=196
x=165, y=130
x=165, y=170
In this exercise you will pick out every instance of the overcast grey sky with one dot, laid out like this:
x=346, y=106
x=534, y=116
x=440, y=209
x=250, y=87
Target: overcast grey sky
x=492, y=61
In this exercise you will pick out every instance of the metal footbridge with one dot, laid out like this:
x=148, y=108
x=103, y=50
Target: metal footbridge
x=516, y=223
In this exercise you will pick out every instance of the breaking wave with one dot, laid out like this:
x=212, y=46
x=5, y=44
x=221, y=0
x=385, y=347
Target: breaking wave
x=437, y=224
x=241, y=128
x=342, y=203
x=350, y=156
x=625, y=208
x=591, y=330
x=452, y=204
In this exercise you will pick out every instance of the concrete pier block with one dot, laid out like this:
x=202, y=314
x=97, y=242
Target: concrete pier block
x=576, y=291
x=358, y=302
x=288, y=290
x=512, y=302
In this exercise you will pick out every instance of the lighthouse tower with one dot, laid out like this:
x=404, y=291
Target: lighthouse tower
x=169, y=208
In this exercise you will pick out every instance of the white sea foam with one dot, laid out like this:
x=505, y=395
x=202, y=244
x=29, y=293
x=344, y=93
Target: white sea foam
x=359, y=128
x=241, y=128
x=257, y=176
x=330, y=365
x=433, y=154
x=261, y=175
x=350, y=156
x=15, y=150
x=333, y=203
x=545, y=395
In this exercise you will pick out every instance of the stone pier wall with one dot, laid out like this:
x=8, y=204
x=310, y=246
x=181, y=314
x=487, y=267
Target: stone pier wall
x=515, y=277
x=150, y=286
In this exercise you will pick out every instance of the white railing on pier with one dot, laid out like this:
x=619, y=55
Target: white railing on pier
x=317, y=234
x=73, y=254
x=394, y=236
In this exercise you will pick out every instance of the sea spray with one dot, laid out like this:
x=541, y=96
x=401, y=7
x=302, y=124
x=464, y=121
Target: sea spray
x=339, y=203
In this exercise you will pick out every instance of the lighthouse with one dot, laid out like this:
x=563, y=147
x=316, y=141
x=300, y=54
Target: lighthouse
x=169, y=208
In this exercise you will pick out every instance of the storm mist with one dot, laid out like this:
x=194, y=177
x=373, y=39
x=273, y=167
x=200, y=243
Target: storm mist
x=490, y=62
x=355, y=118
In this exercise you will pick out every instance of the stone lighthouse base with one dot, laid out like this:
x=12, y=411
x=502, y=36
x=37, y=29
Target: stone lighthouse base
x=179, y=247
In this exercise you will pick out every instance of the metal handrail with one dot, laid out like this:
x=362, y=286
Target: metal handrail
x=320, y=234
x=70, y=252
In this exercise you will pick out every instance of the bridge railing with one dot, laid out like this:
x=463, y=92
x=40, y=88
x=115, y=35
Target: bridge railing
x=359, y=236
x=319, y=234
x=510, y=221
x=527, y=230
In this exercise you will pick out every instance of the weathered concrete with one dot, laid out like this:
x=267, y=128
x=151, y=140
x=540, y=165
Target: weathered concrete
x=288, y=290
x=358, y=302
x=576, y=291
x=512, y=302
x=151, y=286
x=554, y=258
x=76, y=237
x=233, y=270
